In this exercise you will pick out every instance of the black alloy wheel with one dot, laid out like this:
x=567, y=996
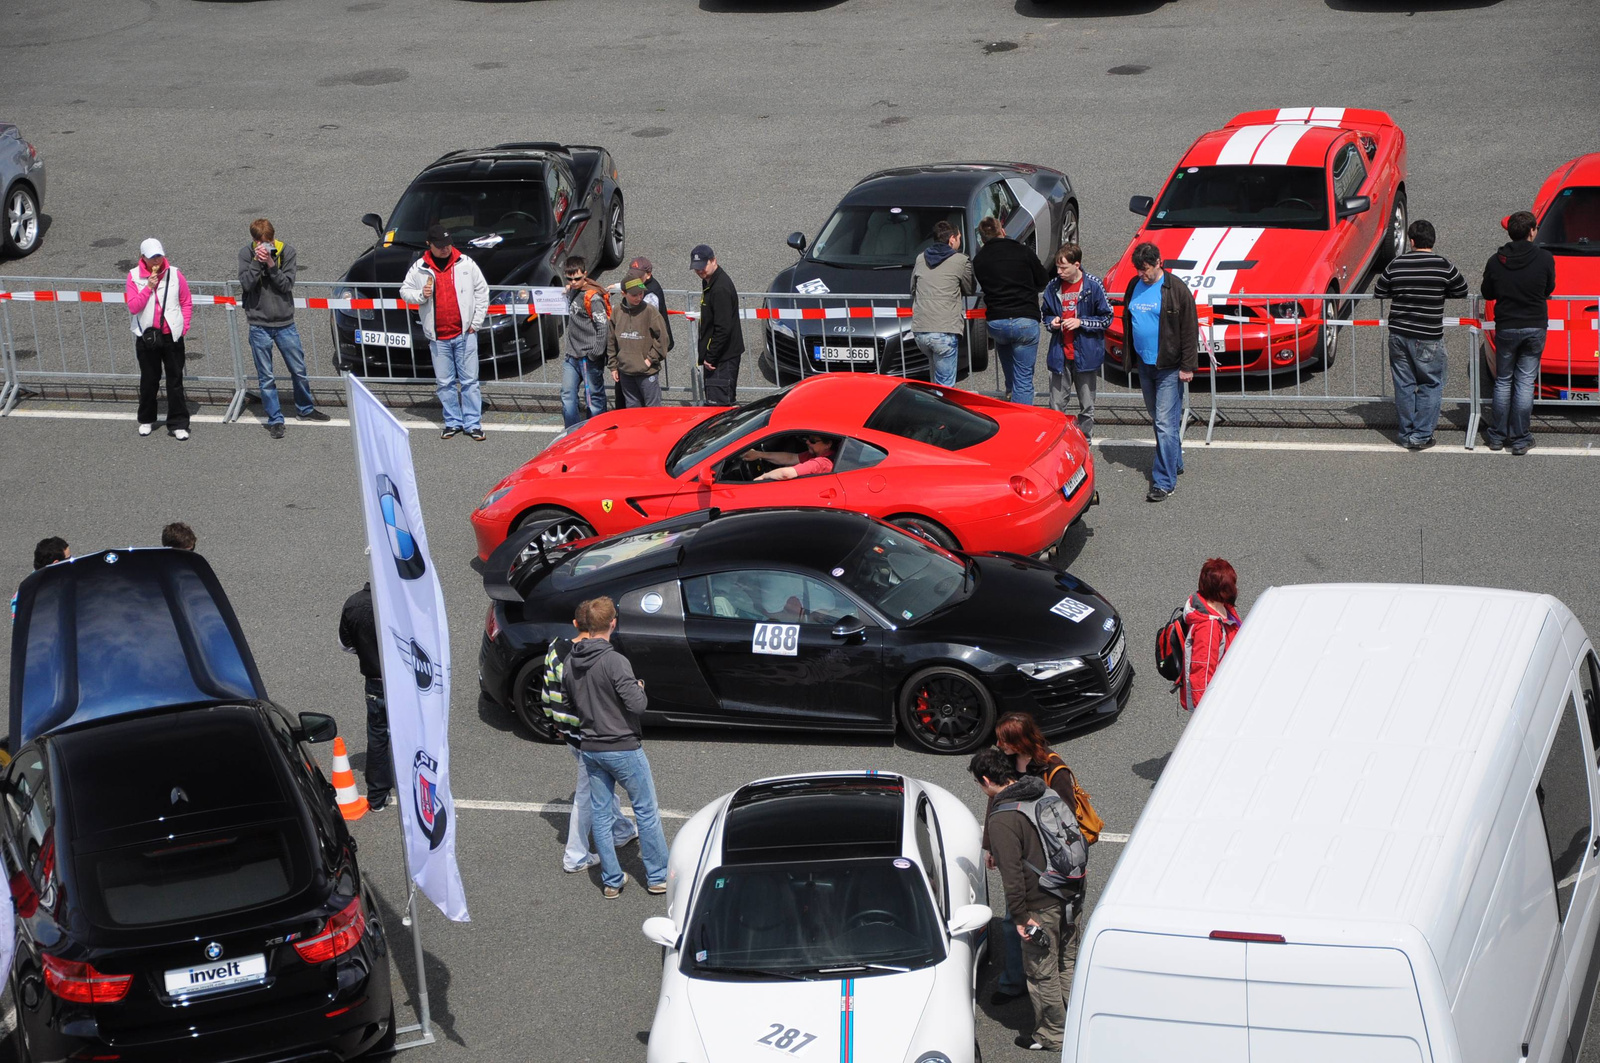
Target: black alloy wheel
x=527, y=705
x=564, y=525
x=616, y=236
x=923, y=528
x=946, y=710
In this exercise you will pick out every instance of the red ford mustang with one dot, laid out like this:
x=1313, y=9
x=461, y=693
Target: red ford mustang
x=962, y=470
x=1296, y=201
x=1568, y=209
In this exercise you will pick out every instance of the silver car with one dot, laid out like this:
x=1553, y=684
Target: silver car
x=22, y=177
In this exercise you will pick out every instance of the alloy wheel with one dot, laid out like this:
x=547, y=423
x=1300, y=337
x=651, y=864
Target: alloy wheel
x=22, y=221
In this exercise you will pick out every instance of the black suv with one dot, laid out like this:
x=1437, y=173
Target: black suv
x=518, y=210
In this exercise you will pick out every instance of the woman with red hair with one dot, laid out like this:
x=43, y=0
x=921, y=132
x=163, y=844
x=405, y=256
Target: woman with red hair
x=1211, y=624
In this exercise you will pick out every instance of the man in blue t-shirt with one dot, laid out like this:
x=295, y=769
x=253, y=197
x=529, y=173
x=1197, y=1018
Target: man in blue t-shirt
x=1162, y=335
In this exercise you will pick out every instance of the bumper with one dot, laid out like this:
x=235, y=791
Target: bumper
x=1247, y=350
x=1030, y=531
x=489, y=530
x=496, y=668
x=505, y=345
x=1075, y=700
x=793, y=357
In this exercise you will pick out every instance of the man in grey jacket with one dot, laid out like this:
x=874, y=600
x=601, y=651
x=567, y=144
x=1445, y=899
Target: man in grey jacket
x=602, y=692
x=266, y=276
x=940, y=282
x=583, y=346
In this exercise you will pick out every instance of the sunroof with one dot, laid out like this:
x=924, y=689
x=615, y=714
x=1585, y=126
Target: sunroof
x=844, y=817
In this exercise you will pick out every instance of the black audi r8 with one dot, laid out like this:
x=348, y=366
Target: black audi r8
x=812, y=619
x=517, y=210
x=870, y=244
x=185, y=887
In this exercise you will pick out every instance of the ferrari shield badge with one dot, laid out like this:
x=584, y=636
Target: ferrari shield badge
x=605, y=504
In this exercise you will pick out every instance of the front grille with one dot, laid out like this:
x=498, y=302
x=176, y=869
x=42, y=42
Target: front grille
x=1071, y=691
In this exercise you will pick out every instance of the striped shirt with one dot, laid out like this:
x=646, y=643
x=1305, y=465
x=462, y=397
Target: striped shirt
x=1418, y=283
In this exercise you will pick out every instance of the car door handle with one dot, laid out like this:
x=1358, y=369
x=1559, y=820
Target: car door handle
x=831, y=492
x=1594, y=850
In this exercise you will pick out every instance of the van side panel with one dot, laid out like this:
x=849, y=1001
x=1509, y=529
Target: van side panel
x=1154, y=998
x=1494, y=1008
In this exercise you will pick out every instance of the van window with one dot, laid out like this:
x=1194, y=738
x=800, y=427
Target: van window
x=1564, y=804
x=1589, y=687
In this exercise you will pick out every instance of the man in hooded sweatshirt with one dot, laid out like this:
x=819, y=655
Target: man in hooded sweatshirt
x=1519, y=278
x=602, y=692
x=455, y=299
x=940, y=282
x=636, y=345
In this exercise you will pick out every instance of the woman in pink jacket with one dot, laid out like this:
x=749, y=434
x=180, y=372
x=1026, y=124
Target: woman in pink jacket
x=1212, y=624
x=158, y=300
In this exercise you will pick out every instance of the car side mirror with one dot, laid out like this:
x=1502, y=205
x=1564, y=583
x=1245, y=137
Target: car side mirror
x=317, y=727
x=798, y=242
x=373, y=222
x=1349, y=208
x=576, y=218
x=661, y=930
x=970, y=917
x=1141, y=205
x=850, y=627
x=708, y=477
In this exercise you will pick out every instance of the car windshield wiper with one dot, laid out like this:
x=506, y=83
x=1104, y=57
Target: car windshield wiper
x=894, y=265
x=753, y=972
x=846, y=968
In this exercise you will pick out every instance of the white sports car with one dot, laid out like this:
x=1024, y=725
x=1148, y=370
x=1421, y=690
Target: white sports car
x=836, y=916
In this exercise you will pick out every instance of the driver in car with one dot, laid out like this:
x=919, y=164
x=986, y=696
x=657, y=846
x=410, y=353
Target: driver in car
x=817, y=458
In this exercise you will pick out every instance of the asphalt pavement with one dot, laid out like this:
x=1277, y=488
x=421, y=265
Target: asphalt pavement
x=734, y=123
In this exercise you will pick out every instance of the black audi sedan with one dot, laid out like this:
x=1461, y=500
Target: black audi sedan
x=868, y=247
x=517, y=210
x=812, y=619
x=185, y=887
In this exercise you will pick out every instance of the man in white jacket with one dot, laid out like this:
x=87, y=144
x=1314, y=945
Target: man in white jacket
x=454, y=299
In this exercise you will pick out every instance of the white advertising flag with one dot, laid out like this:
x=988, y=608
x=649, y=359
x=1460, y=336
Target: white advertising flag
x=414, y=643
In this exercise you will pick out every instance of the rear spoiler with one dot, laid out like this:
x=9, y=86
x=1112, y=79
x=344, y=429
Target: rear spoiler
x=1343, y=117
x=522, y=548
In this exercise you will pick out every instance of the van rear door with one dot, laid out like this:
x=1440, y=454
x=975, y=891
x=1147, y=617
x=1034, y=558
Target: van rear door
x=1160, y=997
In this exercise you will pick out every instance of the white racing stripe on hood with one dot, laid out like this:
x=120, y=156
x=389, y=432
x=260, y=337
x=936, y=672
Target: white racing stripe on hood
x=1208, y=247
x=1241, y=147
x=1275, y=148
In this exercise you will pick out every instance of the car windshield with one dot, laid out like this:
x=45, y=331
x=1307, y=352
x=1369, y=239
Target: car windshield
x=886, y=237
x=477, y=213
x=927, y=415
x=1270, y=197
x=902, y=576
x=1572, y=224
x=819, y=919
x=718, y=430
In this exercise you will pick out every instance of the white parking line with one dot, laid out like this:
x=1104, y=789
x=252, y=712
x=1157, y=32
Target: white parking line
x=1588, y=450
x=216, y=418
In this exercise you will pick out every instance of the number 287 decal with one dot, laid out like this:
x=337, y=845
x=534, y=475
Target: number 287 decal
x=786, y=1038
x=782, y=639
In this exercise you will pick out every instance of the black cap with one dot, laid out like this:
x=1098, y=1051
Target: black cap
x=701, y=254
x=438, y=235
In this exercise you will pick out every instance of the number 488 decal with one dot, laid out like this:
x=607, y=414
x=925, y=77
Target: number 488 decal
x=782, y=639
x=784, y=1038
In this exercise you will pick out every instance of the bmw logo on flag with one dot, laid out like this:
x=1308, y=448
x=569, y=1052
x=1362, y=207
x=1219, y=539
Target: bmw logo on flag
x=214, y=951
x=402, y=544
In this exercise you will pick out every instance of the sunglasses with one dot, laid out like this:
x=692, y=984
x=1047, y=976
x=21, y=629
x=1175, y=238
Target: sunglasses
x=575, y=276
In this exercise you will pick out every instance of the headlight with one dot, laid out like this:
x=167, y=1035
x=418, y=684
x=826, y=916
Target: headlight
x=351, y=293
x=1285, y=310
x=494, y=496
x=933, y=1057
x=782, y=326
x=1050, y=669
x=1075, y=481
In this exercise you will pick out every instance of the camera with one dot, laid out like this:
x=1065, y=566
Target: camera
x=1037, y=935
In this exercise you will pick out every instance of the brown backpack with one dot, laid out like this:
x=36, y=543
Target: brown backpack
x=1089, y=821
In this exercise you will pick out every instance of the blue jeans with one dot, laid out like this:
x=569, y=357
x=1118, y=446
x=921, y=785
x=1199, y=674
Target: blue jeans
x=1516, y=371
x=1418, y=367
x=940, y=348
x=579, y=375
x=1016, y=345
x=632, y=769
x=455, y=366
x=1163, y=398
x=287, y=338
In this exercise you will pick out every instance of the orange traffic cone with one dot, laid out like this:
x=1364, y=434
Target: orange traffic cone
x=351, y=804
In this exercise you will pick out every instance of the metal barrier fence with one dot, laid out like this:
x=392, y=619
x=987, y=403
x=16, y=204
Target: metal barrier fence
x=1287, y=350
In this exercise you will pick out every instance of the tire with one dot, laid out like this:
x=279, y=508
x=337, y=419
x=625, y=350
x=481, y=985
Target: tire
x=525, y=704
x=946, y=710
x=23, y=227
x=923, y=528
x=616, y=243
x=567, y=526
x=1070, y=233
x=1395, y=241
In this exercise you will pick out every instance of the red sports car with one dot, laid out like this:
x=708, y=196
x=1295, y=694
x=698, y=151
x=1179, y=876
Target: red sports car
x=961, y=470
x=1296, y=201
x=1568, y=209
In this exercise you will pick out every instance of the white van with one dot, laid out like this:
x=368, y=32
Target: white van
x=1377, y=841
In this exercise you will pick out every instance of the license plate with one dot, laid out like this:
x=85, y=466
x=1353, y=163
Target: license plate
x=1115, y=656
x=1581, y=396
x=383, y=339
x=215, y=976
x=1217, y=346
x=859, y=355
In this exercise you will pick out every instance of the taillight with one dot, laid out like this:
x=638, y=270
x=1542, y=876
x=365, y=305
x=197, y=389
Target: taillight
x=491, y=626
x=338, y=937
x=82, y=984
x=1024, y=488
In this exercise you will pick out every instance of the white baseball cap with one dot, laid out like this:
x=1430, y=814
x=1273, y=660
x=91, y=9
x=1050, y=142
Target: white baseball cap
x=152, y=248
